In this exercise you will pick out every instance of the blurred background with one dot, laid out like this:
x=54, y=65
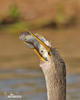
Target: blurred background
x=59, y=22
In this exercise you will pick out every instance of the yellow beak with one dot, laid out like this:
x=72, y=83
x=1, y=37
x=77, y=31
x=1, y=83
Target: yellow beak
x=42, y=43
x=39, y=55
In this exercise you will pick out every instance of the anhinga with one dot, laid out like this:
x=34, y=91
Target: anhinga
x=51, y=63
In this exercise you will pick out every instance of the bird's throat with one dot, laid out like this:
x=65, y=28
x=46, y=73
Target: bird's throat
x=55, y=77
x=55, y=83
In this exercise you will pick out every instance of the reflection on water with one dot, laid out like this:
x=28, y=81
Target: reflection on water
x=30, y=84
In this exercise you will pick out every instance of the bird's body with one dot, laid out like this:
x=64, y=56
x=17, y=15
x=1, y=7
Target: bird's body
x=53, y=67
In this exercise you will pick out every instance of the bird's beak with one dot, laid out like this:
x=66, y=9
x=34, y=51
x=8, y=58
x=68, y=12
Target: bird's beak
x=34, y=42
x=39, y=55
x=43, y=44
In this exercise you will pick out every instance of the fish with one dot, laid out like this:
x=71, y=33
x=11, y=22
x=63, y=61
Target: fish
x=36, y=42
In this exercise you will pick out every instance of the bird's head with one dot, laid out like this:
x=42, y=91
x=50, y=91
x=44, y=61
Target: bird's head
x=39, y=44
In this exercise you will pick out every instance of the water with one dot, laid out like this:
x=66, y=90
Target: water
x=19, y=67
x=30, y=84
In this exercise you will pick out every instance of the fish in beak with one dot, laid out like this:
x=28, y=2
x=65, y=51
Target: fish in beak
x=38, y=43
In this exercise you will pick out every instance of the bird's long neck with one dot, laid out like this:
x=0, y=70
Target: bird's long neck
x=55, y=76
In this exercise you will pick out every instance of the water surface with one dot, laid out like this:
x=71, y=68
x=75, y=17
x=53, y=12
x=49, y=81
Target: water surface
x=19, y=67
x=30, y=84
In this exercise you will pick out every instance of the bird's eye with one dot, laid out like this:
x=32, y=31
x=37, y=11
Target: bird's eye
x=41, y=51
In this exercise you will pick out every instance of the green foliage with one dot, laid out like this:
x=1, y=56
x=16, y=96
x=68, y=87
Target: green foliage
x=14, y=12
x=60, y=14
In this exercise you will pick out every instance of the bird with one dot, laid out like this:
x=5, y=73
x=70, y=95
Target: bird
x=51, y=63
